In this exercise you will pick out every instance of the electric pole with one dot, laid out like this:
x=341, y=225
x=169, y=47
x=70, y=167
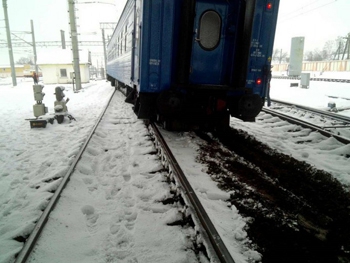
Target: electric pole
x=347, y=47
x=34, y=48
x=75, y=48
x=104, y=51
x=9, y=44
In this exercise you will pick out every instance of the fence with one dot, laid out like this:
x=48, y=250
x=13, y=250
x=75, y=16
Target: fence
x=334, y=65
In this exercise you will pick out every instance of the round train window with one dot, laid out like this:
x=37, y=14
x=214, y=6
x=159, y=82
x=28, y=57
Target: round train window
x=209, y=30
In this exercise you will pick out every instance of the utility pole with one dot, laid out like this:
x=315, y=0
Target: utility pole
x=347, y=47
x=337, y=53
x=280, y=59
x=104, y=51
x=9, y=44
x=75, y=48
x=34, y=48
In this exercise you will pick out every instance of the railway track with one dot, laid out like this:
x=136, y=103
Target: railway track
x=298, y=212
x=288, y=206
x=33, y=237
x=314, y=79
x=53, y=232
x=333, y=116
x=278, y=184
x=199, y=213
x=326, y=123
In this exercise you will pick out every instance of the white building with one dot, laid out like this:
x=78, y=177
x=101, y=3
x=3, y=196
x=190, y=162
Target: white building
x=57, y=66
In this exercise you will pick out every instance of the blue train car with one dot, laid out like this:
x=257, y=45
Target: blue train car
x=194, y=61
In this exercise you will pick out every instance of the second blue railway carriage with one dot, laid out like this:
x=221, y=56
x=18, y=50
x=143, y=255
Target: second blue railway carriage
x=196, y=61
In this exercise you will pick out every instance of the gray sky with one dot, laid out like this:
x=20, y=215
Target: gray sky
x=51, y=16
x=317, y=20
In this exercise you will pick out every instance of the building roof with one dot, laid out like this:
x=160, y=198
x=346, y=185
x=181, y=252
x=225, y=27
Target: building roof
x=8, y=66
x=61, y=56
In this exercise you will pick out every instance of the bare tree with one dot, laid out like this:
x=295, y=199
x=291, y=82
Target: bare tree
x=24, y=60
x=328, y=50
x=315, y=55
x=279, y=56
x=309, y=56
x=332, y=49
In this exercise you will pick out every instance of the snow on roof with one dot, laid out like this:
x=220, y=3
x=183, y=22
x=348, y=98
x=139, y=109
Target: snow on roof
x=61, y=56
x=8, y=66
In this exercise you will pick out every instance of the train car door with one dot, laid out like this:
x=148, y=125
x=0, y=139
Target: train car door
x=208, y=47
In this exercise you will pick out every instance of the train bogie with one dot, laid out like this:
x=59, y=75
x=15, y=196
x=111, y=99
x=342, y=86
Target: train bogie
x=195, y=61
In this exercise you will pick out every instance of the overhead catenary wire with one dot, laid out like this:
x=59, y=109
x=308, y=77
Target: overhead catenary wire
x=306, y=11
x=301, y=8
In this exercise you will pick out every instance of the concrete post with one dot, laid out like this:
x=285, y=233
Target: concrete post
x=9, y=44
x=75, y=48
x=104, y=51
x=34, y=48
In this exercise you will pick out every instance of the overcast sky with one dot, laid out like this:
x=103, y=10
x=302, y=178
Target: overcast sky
x=317, y=20
x=51, y=16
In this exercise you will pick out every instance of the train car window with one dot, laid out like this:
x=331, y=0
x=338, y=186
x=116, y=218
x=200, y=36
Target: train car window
x=209, y=30
x=121, y=44
x=126, y=39
x=126, y=36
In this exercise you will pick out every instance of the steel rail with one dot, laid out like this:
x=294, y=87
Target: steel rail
x=218, y=245
x=314, y=79
x=34, y=236
x=316, y=111
x=306, y=125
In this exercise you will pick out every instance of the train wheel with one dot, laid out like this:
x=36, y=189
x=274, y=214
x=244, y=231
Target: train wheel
x=174, y=125
x=167, y=125
x=170, y=103
x=60, y=118
x=249, y=107
x=223, y=122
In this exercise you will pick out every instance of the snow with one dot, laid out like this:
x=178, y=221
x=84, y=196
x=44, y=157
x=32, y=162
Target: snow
x=320, y=74
x=111, y=209
x=317, y=96
x=31, y=158
x=327, y=154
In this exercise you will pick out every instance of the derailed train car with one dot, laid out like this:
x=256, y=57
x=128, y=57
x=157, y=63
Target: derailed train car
x=194, y=61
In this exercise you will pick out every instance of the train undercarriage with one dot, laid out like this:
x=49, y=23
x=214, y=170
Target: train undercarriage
x=192, y=108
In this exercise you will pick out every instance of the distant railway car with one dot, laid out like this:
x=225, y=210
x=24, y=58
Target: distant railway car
x=194, y=61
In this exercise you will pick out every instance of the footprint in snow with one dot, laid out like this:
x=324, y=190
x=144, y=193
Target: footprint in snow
x=85, y=169
x=91, y=218
x=127, y=177
x=112, y=192
x=93, y=151
x=88, y=180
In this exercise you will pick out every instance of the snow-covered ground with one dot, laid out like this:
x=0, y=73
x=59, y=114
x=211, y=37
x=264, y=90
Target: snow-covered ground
x=320, y=74
x=30, y=160
x=111, y=209
x=317, y=96
x=330, y=155
x=31, y=157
